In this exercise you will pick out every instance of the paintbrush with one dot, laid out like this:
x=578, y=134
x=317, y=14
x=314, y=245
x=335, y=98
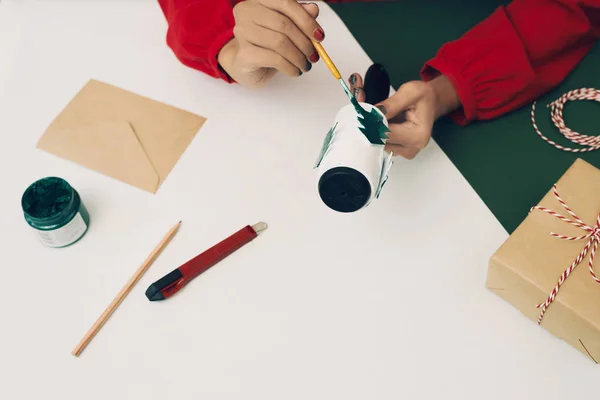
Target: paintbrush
x=334, y=71
x=371, y=122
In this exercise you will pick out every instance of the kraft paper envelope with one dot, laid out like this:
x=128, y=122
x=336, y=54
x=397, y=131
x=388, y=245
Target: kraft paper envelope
x=121, y=135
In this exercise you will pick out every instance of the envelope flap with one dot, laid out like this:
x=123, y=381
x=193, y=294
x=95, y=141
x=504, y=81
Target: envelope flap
x=162, y=131
x=109, y=147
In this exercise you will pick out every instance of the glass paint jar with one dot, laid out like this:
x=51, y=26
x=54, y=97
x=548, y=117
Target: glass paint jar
x=55, y=212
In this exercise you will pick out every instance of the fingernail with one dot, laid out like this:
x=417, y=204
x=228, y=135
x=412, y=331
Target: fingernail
x=308, y=66
x=355, y=92
x=318, y=34
x=314, y=57
x=382, y=108
x=299, y=73
x=352, y=79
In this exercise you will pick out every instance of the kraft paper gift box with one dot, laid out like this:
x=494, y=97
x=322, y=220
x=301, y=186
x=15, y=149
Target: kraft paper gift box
x=545, y=263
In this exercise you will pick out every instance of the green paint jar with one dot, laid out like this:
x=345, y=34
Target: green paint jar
x=55, y=212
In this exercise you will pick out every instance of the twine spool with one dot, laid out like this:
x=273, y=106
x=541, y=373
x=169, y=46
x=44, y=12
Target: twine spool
x=589, y=142
x=349, y=174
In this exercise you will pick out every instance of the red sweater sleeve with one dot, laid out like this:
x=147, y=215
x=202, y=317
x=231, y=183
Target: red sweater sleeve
x=518, y=53
x=198, y=29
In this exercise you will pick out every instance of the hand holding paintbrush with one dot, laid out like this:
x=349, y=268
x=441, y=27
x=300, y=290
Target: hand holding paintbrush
x=271, y=36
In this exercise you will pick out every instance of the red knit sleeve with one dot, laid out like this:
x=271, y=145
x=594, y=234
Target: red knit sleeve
x=518, y=53
x=198, y=29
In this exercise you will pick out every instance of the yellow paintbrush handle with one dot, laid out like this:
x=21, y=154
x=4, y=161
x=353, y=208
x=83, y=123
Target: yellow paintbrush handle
x=334, y=71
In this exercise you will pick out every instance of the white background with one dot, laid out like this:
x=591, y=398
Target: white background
x=386, y=303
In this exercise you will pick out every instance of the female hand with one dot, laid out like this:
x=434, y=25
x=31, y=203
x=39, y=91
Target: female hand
x=271, y=36
x=411, y=112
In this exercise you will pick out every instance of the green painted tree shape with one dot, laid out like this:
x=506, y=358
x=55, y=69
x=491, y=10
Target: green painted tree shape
x=326, y=143
x=371, y=124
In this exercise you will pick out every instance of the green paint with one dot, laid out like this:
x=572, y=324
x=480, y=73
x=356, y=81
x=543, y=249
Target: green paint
x=55, y=211
x=326, y=144
x=383, y=175
x=381, y=187
x=47, y=198
x=371, y=123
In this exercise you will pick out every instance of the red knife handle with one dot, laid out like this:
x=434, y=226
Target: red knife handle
x=210, y=257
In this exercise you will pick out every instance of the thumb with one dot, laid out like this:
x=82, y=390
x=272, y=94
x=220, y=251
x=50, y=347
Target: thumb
x=400, y=101
x=312, y=9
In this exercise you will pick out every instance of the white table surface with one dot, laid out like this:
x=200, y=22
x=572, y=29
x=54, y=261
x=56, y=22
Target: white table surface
x=385, y=303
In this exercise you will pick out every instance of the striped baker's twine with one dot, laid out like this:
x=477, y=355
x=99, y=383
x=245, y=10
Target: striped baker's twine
x=590, y=142
x=593, y=237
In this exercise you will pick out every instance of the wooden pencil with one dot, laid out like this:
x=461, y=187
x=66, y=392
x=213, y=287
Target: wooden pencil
x=126, y=289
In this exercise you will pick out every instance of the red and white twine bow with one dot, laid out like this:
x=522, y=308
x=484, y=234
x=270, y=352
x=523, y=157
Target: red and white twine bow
x=593, y=237
x=590, y=142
